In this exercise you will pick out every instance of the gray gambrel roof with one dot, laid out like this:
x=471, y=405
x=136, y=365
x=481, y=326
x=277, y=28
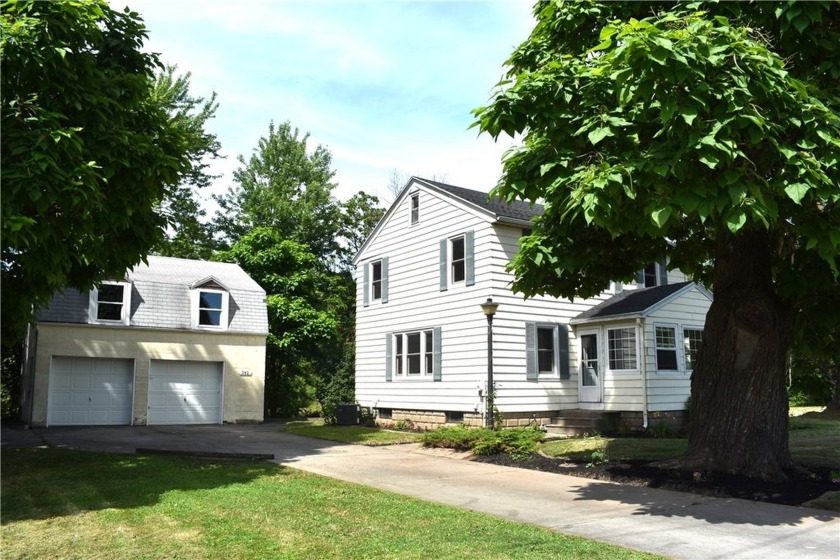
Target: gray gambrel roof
x=191, y=273
x=517, y=210
x=632, y=303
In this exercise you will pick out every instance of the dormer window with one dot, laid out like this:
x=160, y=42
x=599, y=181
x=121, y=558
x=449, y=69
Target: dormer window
x=415, y=208
x=209, y=301
x=654, y=274
x=110, y=303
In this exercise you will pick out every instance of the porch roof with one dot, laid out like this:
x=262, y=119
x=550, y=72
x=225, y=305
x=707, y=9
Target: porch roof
x=632, y=303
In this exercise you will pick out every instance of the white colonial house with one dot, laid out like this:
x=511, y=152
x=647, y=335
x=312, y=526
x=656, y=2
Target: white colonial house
x=173, y=341
x=421, y=337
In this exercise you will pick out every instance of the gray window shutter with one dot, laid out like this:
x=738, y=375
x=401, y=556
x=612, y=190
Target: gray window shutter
x=444, y=246
x=389, y=356
x=384, y=279
x=531, y=371
x=640, y=276
x=563, y=346
x=365, y=286
x=663, y=272
x=437, y=354
x=469, y=253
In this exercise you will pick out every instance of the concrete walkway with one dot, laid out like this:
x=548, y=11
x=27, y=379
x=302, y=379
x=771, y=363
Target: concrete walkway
x=673, y=524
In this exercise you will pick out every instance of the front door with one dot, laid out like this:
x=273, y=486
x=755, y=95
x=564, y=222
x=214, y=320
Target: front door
x=590, y=369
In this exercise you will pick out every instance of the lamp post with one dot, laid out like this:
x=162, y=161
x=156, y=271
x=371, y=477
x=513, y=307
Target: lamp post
x=489, y=309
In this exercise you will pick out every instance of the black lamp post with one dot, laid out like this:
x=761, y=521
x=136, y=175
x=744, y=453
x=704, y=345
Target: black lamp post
x=489, y=309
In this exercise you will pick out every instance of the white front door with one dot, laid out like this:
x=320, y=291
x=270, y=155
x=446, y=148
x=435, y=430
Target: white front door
x=591, y=368
x=89, y=391
x=182, y=392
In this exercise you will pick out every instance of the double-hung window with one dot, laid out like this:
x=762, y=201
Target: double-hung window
x=692, y=342
x=415, y=208
x=110, y=303
x=459, y=260
x=209, y=308
x=666, y=348
x=376, y=280
x=545, y=350
x=622, y=349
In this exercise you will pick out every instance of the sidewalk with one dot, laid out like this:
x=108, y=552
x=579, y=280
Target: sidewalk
x=673, y=524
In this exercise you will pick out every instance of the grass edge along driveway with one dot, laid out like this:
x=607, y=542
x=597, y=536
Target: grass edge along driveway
x=73, y=504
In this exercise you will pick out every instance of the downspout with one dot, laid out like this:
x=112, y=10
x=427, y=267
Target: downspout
x=641, y=326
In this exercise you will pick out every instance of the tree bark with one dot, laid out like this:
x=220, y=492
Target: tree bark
x=738, y=421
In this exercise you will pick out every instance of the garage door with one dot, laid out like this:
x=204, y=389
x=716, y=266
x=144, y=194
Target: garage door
x=86, y=391
x=185, y=392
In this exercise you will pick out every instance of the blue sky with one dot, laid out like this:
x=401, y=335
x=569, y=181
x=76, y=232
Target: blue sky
x=382, y=85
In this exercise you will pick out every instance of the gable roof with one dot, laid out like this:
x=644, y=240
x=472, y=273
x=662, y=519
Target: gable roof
x=516, y=210
x=633, y=303
x=192, y=273
x=516, y=213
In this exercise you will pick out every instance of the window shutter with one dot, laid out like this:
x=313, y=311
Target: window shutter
x=366, y=285
x=384, y=279
x=640, y=277
x=437, y=354
x=444, y=243
x=531, y=373
x=389, y=356
x=563, y=350
x=663, y=272
x=469, y=253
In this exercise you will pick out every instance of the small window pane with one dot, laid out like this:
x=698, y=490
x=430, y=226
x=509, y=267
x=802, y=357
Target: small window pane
x=651, y=278
x=413, y=354
x=109, y=311
x=398, y=340
x=376, y=283
x=415, y=208
x=111, y=293
x=209, y=300
x=209, y=317
x=666, y=360
x=693, y=341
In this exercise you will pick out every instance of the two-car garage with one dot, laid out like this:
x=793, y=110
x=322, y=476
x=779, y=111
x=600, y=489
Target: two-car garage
x=100, y=391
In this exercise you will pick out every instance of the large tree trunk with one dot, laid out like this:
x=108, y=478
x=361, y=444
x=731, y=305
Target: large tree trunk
x=738, y=421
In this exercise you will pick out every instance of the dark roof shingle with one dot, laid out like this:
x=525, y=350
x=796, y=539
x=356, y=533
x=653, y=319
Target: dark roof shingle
x=630, y=302
x=518, y=209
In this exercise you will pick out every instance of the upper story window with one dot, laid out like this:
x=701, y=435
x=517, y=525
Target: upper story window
x=110, y=302
x=622, y=349
x=654, y=274
x=459, y=263
x=376, y=280
x=210, y=308
x=415, y=208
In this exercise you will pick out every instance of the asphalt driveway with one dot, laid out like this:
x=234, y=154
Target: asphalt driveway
x=673, y=524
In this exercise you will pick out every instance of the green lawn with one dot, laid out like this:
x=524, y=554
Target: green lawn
x=814, y=440
x=73, y=504
x=349, y=434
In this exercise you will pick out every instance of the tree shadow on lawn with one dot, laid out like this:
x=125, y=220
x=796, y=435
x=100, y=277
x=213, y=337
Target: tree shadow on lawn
x=40, y=483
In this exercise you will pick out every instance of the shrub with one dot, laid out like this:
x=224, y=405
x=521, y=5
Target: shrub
x=519, y=443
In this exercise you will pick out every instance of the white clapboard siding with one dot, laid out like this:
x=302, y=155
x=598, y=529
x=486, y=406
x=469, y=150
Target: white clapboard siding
x=415, y=302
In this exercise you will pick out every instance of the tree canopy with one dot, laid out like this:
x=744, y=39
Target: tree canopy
x=706, y=132
x=89, y=152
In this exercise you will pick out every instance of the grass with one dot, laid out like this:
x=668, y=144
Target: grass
x=59, y=503
x=361, y=435
x=814, y=440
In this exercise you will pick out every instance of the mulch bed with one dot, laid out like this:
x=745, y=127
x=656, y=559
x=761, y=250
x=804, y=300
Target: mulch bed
x=801, y=486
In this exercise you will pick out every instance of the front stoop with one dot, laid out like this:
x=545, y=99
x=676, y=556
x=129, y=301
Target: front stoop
x=579, y=422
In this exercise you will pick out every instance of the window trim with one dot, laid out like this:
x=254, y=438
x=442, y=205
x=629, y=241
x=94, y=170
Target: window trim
x=195, y=299
x=125, y=311
x=684, y=328
x=608, y=365
x=676, y=349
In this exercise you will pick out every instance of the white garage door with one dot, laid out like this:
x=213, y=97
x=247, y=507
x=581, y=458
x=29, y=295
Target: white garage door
x=185, y=392
x=86, y=391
